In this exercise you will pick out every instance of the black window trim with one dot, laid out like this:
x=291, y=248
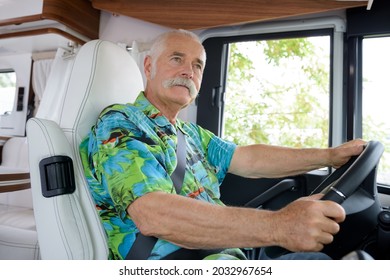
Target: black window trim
x=361, y=24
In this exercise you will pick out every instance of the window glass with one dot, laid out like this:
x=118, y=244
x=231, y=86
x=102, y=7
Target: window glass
x=277, y=92
x=376, y=93
x=7, y=91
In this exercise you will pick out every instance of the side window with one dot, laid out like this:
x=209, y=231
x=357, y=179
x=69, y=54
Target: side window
x=375, y=92
x=368, y=37
x=278, y=92
x=7, y=91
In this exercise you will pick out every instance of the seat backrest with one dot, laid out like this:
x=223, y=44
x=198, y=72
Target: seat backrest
x=67, y=222
x=15, y=160
x=14, y=154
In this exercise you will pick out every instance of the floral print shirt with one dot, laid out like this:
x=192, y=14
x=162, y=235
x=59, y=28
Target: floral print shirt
x=131, y=151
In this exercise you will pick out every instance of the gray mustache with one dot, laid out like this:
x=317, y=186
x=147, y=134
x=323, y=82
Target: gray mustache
x=179, y=81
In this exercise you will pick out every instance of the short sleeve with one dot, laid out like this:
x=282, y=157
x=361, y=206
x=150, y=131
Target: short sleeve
x=219, y=152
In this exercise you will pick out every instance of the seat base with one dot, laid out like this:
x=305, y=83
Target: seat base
x=18, y=235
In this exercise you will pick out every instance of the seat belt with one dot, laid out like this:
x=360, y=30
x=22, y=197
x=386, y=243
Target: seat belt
x=178, y=174
x=143, y=245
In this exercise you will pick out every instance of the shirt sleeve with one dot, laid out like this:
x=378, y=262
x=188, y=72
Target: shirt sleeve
x=124, y=162
x=219, y=152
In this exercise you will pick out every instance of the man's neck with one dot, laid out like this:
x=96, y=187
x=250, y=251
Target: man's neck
x=168, y=110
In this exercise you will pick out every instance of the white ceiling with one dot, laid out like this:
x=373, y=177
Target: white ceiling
x=19, y=8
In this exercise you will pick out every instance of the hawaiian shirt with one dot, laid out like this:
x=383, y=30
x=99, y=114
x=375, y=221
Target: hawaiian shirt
x=131, y=151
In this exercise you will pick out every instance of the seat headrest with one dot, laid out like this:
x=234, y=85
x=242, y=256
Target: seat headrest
x=103, y=74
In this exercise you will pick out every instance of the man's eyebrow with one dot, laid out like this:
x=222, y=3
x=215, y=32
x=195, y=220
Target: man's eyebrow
x=178, y=54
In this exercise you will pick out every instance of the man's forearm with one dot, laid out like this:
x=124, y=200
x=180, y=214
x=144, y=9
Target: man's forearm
x=259, y=161
x=193, y=224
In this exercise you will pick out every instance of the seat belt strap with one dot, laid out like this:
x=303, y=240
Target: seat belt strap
x=143, y=245
x=178, y=174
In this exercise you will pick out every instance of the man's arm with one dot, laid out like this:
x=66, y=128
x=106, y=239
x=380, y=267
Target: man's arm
x=257, y=161
x=303, y=225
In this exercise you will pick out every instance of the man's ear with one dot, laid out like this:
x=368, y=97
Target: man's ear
x=148, y=67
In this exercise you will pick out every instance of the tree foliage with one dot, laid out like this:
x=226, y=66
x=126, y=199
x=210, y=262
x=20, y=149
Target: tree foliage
x=278, y=93
x=267, y=105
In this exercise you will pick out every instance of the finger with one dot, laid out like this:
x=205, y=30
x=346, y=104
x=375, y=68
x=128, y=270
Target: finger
x=325, y=238
x=316, y=196
x=333, y=211
x=331, y=227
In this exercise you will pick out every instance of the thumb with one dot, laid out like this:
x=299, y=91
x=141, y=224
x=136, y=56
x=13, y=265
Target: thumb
x=316, y=196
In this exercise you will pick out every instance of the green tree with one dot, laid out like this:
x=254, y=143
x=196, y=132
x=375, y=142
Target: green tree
x=278, y=111
x=260, y=108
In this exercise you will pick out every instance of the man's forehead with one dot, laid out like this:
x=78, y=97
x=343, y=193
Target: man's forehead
x=185, y=45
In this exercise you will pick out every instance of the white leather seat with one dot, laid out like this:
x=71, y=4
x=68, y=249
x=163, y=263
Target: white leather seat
x=67, y=224
x=15, y=155
x=18, y=236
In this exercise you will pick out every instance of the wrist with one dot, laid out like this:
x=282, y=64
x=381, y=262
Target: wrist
x=328, y=157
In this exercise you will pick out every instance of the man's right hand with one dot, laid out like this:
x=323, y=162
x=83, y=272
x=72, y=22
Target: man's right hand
x=308, y=223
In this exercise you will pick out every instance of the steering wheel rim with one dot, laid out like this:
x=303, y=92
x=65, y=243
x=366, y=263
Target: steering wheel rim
x=344, y=181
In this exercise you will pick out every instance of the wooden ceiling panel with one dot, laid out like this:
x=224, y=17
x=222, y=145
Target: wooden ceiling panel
x=200, y=14
x=78, y=15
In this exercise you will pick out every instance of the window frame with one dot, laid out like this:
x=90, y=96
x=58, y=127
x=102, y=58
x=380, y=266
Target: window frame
x=361, y=24
x=5, y=71
x=211, y=96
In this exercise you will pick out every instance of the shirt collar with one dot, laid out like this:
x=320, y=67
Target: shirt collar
x=152, y=112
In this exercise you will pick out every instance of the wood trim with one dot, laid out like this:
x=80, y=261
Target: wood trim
x=21, y=182
x=14, y=176
x=13, y=188
x=20, y=20
x=78, y=15
x=43, y=31
x=205, y=13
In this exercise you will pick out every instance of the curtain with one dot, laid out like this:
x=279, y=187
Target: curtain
x=40, y=74
x=56, y=86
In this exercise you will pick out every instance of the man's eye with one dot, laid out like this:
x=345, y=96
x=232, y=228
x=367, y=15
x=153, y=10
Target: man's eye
x=198, y=66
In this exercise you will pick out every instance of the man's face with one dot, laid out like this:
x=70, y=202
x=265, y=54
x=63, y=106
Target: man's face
x=176, y=75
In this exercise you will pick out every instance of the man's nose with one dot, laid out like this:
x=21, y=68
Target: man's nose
x=187, y=71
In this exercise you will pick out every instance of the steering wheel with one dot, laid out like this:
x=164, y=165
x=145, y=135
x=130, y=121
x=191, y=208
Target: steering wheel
x=354, y=187
x=343, y=182
x=355, y=180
